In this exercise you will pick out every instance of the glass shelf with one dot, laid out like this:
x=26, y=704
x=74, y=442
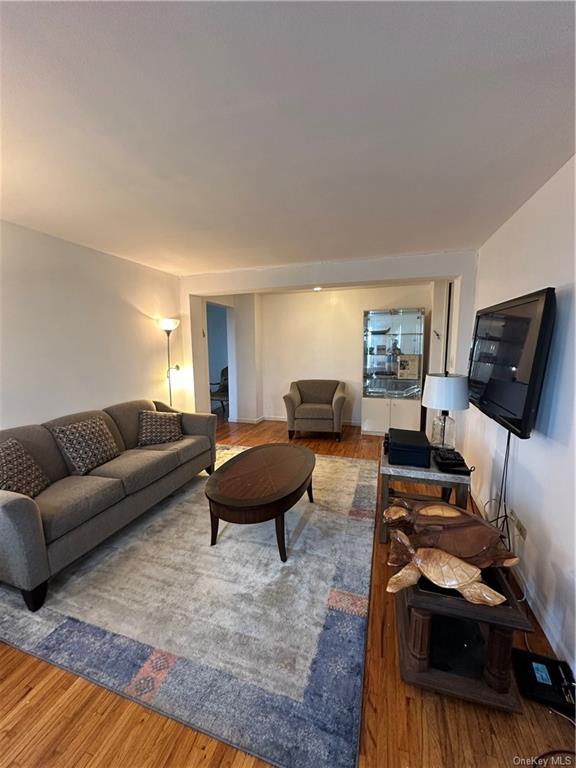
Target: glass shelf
x=393, y=348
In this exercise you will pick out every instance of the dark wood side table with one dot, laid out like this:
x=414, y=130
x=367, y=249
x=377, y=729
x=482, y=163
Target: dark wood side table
x=260, y=484
x=449, y=645
x=427, y=475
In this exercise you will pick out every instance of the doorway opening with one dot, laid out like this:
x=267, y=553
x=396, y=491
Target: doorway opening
x=217, y=331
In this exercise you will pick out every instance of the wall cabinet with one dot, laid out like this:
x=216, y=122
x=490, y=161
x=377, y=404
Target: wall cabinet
x=393, y=367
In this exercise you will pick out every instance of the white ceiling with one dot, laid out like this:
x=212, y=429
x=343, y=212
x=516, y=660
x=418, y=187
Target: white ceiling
x=197, y=137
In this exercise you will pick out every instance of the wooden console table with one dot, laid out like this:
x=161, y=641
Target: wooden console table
x=427, y=475
x=457, y=648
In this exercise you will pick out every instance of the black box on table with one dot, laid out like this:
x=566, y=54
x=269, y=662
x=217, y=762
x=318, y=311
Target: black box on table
x=407, y=447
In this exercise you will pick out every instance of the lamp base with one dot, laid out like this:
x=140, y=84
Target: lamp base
x=443, y=432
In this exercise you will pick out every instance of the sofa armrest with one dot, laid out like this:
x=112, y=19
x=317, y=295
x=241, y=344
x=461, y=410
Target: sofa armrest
x=338, y=405
x=292, y=400
x=23, y=555
x=195, y=424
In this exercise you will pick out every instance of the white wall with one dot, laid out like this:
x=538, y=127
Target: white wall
x=535, y=249
x=247, y=330
x=402, y=269
x=77, y=328
x=318, y=335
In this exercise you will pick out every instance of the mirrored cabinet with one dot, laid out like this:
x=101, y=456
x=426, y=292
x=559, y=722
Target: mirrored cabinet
x=393, y=367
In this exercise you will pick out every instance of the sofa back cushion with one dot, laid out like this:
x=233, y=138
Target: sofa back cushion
x=19, y=471
x=85, y=444
x=317, y=390
x=126, y=417
x=40, y=444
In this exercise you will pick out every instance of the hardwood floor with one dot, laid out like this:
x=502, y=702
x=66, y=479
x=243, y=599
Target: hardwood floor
x=52, y=719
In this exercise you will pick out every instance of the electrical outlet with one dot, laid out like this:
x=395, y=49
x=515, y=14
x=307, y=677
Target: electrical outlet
x=518, y=524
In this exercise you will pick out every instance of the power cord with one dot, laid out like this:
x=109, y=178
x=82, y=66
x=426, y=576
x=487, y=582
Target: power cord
x=501, y=520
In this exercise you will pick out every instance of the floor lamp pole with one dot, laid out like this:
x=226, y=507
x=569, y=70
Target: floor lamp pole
x=169, y=364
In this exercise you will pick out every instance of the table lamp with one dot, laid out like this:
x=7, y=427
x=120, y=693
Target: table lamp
x=445, y=393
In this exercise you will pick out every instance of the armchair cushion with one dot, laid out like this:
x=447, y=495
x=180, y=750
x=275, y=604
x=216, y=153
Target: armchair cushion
x=317, y=390
x=314, y=411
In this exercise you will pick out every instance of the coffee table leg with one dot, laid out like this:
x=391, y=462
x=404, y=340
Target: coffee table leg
x=280, y=537
x=310, y=496
x=214, y=525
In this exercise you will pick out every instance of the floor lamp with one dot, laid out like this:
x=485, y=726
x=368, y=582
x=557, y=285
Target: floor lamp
x=169, y=324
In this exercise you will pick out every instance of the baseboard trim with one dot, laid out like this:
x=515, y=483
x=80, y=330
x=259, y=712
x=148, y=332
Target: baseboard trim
x=247, y=421
x=373, y=434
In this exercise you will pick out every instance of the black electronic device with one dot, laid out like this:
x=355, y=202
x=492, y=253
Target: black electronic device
x=545, y=680
x=449, y=460
x=407, y=447
x=508, y=359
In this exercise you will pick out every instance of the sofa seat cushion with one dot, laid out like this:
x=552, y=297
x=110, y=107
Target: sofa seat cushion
x=186, y=449
x=314, y=411
x=137, y=468
x=69, y=502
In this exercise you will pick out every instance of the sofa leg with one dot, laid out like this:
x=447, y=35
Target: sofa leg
x=338, y=436
x=34, y=598
x=210, y=469
x=290, y=434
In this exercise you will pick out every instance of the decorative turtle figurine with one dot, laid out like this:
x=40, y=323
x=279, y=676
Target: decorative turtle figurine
x=454, y=530
x=444, y=570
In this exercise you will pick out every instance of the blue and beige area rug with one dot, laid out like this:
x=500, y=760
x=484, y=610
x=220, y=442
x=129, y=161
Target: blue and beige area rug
x=264, y=655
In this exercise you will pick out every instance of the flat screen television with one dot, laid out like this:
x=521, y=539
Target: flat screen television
x=508, y=359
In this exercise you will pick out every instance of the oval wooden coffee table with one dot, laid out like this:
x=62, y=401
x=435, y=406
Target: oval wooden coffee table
x=260, y=484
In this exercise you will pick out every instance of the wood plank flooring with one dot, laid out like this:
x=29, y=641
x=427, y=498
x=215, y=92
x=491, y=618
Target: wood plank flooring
x=53, y=719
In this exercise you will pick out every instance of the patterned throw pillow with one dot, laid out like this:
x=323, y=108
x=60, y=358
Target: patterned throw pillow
x=86, y=444
x=18, y=470
x=159, y=427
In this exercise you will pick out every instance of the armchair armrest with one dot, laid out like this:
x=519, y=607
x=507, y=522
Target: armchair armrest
x=23, y=555
x=195, y=424
x=292, y=400
x=338, y=405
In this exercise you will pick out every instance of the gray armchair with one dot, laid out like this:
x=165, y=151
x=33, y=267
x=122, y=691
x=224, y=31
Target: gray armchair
x=315, y=405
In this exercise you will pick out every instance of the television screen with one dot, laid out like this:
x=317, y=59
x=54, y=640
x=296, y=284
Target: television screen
x=508, y=359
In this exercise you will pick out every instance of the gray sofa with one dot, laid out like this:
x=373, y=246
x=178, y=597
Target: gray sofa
x=315, y=405
x=41, y=536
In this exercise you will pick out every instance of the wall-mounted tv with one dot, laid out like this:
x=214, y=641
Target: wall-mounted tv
x=508, y=359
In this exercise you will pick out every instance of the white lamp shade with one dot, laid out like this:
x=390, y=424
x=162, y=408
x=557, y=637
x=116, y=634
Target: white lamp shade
x=169, y=323
x=446, y=393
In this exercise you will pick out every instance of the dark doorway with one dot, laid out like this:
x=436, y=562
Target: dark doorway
x=217, y=326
